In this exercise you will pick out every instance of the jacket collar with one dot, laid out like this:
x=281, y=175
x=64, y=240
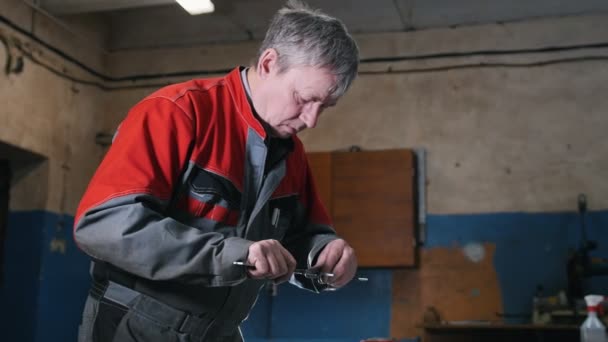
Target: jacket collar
x=239, y=96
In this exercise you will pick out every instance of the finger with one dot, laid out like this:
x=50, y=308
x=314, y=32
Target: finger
x=283, y=259
x=257, y=258
x=345, y=269
x=322, y=258
x=290, y=264
x=273, y=266
x=285, y=277
x=334, y=253
x=282, y=266
x=348, y=268
x=276, y=260
x=260, y=268
x=289, y=260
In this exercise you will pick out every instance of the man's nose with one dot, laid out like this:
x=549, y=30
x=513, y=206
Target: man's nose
x=310, y=116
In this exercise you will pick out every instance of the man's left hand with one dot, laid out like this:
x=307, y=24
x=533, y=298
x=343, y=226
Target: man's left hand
x=338, y=258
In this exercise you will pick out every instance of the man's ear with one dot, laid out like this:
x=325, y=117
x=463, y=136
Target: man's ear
x=268, y=63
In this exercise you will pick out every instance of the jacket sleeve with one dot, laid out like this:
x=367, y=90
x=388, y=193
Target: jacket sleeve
x=312, y=230
x=122, y=217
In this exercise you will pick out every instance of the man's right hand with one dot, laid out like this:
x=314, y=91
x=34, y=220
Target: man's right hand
x=271, y=261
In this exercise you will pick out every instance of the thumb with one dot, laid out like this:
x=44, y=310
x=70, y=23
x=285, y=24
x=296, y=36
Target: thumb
x=322, y=258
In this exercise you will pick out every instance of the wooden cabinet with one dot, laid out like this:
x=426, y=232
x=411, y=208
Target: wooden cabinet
x=370, y=197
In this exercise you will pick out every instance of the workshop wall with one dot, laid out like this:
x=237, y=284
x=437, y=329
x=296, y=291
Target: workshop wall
x=47, y=131
x=46, y=115
x=508, y=127
x=509, y=148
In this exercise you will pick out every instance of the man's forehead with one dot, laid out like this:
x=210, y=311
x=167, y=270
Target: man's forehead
x=321, y=88
x=316, y=82
x=326, y=95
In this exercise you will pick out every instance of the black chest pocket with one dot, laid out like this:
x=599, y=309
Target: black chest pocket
x=212, y=197
x=281, y=213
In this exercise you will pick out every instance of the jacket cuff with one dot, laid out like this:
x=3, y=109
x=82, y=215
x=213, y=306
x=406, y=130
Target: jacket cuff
x=318, y=243
x=234, y=249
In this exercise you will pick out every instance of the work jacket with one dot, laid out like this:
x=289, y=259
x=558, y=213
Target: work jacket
x=186, y=187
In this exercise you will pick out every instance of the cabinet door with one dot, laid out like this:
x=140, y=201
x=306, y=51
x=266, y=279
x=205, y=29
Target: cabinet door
x=371, y=196
x=320, y=165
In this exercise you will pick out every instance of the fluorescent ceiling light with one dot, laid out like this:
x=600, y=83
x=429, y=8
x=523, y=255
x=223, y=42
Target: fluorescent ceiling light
x=195, y=7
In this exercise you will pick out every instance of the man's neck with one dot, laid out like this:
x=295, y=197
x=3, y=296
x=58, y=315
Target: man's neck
x=253, y=81
x=250, y=82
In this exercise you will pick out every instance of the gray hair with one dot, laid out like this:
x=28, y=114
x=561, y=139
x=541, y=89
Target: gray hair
x=308, y=37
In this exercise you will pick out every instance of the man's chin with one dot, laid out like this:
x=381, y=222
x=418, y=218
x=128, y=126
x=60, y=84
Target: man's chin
x=285, y=133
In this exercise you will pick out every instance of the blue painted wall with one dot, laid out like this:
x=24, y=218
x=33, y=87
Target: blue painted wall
x=531, y=249
x=64, y=281
x=19, y=292
x=360, y=310
x=46, y=277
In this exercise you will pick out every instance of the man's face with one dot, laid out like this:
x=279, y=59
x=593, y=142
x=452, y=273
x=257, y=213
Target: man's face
x=295, y=98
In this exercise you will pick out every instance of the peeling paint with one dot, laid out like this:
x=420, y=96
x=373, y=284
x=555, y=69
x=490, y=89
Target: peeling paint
x=474, y=252
x=448, y=281
x=58, y=245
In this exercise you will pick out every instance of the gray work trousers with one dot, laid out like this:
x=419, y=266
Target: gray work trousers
x=118, y=314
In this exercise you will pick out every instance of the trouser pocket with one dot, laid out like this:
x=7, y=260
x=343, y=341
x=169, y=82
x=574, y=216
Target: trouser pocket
x=138, y=327
x=109, y=317
x=120, y=314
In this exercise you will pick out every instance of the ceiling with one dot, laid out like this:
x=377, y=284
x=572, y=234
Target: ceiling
x=79, y=6
x=155, y=23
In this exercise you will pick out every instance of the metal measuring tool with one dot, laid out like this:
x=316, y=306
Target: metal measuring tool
x=307, y=273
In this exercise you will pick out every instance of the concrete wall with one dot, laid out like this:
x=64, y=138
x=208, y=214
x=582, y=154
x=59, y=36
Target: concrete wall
x=47, y=115
x=509, y=149
x=503, y=130
x=47, y=130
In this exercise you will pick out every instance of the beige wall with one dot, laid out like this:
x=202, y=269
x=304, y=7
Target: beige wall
x=48, y=115
x=498, y=139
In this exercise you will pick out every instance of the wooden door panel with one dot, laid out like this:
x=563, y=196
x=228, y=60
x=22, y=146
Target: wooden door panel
x=370, y=197
x=320, y=165
x=372, y=194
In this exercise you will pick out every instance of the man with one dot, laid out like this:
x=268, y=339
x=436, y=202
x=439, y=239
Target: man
x=207, y=174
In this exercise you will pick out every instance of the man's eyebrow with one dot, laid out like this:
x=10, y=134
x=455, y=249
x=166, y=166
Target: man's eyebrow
x=330, y=100
x=330, y=103
x=315, y=98
x=310, y=95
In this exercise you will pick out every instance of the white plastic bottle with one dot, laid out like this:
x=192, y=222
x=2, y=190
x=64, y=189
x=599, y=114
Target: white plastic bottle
x=592, y=329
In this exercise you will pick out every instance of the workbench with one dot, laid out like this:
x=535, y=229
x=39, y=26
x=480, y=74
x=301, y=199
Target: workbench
x=500, y=333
